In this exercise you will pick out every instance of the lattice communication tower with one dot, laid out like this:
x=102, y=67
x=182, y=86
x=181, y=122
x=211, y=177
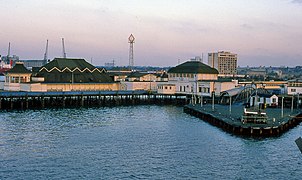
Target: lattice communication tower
x=131, y=40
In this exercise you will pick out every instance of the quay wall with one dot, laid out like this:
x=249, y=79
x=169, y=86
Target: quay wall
x=245, y=130
x=23, y=100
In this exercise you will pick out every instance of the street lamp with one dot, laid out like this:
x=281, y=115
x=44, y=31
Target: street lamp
x=282, y=107
x=230, y=104
x=213, y=99
x=298, y=101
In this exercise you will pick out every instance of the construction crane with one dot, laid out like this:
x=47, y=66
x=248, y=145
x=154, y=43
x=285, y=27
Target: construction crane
x=64, y=53
x=46, y=51
x=8, y=54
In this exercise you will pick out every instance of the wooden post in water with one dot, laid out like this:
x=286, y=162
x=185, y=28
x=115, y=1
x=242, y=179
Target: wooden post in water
x=26, y=102
x=21, y=101
x=63, y=103
x=82, y=101
x=42, y=102
x=11, y=103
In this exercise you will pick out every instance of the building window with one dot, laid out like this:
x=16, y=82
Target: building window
x=199, y=89
x=180, y=88
x=184, y=88
x=292, y=90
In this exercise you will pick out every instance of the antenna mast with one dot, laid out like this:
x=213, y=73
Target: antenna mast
x=64, y=53
x=46, y=51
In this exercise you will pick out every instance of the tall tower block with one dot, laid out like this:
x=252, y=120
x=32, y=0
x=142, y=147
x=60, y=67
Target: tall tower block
x=131, y=40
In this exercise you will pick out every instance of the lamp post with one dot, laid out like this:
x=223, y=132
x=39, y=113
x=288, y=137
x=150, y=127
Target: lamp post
x=230, y=105
x=292, y=107
x=201, y=100
x=298, y=101
x=282, y=107
x=213, y=99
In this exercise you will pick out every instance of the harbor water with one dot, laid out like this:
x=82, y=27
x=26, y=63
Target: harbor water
x=137, y=142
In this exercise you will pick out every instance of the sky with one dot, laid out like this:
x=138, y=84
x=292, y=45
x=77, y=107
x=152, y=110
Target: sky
x=261, y=32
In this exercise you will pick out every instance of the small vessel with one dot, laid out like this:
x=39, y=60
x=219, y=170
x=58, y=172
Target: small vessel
x=254, y=115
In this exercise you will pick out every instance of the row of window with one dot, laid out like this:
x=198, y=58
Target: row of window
x=295, y=84
x=164, y=87
x=200, y=89
x=181, y=75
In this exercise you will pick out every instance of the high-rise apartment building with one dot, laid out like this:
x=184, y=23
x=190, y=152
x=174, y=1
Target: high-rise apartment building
x=224, y=62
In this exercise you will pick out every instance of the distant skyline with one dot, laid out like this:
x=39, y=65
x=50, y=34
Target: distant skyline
x=261, y=32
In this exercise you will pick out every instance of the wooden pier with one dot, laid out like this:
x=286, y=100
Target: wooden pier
x=230, y=121
x=75, y=99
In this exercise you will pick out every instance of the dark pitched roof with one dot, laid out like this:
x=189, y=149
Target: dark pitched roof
x=118, y=73
x=62, y=70
x=195, y=67
x=295, y=80
x=136, y=75
x=19, y=68
x=62, y=63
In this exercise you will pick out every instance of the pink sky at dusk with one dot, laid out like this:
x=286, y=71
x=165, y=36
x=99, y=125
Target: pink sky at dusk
x=261, y=32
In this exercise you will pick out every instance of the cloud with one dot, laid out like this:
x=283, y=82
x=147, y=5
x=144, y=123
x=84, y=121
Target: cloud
x=297, y=1
x=246, y=26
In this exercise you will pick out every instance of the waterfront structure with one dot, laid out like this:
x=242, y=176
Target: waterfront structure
x=118, y=76
x=166, y=88
x=294, y=87
x=270, y=100
x=221, y=117
x=15, y=76
x=61, y=74
x=225, y=62
x=140, y=76
x=191, y=77
x=144, y=81
x=274, y=87
x=64, y=74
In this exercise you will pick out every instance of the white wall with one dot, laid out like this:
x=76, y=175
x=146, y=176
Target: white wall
x=139, y=85
x=294, y=90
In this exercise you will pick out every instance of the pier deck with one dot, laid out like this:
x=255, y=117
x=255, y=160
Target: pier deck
x=74, y=99
x=231, y=122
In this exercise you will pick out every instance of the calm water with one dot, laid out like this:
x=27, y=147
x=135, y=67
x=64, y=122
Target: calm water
x=141, y=142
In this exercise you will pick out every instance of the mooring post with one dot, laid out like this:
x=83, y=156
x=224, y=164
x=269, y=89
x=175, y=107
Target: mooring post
x=11, y=103
x=82, y=100
x=21, y=101
x=63, y=104
x=42, y=102
x=26, y=101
